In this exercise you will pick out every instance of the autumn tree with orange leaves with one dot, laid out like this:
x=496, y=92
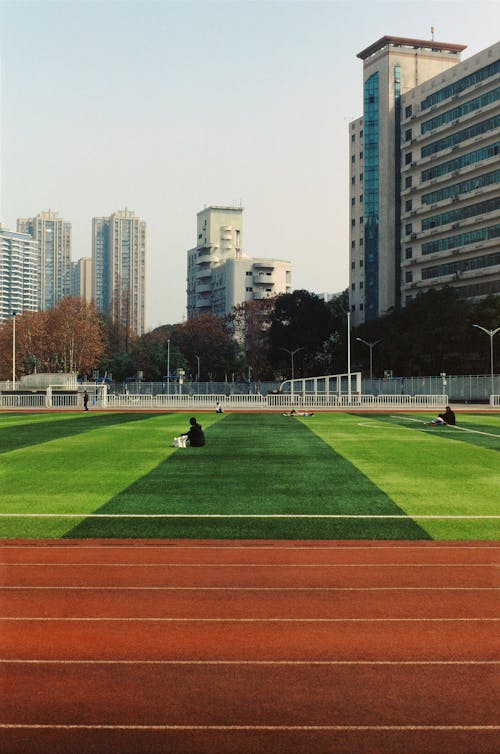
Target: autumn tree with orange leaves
x=68, y=338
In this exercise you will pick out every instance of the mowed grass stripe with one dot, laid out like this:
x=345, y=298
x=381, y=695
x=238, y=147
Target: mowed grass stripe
x=260, y=464
x=77, y=463
x=423, y=472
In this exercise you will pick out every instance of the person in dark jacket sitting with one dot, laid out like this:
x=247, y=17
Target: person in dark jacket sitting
x=447, y=418
x=195, y=434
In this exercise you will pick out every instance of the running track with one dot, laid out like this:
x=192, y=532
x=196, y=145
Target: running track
x=249, y=647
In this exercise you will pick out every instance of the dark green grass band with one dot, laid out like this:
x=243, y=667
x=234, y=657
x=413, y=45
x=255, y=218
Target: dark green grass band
x=261, y=466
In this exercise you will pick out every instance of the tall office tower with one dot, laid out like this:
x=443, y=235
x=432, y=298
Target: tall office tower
x=81, y=279
x=220, y=275
x=53, y=235
x=391, y=67
x=19, y=273
x=450, y=194
x=118, y=268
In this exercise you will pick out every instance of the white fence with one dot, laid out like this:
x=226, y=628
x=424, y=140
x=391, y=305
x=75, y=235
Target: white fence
x=232, y=402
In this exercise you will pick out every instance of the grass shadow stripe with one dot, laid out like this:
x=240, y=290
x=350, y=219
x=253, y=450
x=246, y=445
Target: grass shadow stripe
x=262, y=465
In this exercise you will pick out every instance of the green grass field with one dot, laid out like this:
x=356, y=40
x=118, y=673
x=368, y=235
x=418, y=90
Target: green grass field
x=331, y=476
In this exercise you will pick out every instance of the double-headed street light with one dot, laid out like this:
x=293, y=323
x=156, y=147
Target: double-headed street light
x=491, y=333
x=371, y=346
x=292, y=354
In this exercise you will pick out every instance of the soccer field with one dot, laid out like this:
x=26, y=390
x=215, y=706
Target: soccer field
x=260, y=476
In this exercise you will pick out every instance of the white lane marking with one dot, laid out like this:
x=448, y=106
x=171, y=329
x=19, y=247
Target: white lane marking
x=107, y=587
x=249, y=662
x=471, y=728
x=257, y=565
x=43, y=619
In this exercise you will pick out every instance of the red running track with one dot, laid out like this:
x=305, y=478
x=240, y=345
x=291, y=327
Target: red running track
x=249, y=647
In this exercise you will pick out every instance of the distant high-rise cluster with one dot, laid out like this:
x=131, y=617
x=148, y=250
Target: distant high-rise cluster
x=424, y=178
x=36, y=271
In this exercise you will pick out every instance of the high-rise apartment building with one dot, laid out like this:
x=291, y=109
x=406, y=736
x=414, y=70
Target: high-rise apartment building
x=53, y=235
x=81, y=279
x=19, y=273
x=220, y=275
x=427, y=136
x=118, y=268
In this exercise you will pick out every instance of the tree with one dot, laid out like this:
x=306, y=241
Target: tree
x=206, y=337
x=249, y=323
x=300, y=320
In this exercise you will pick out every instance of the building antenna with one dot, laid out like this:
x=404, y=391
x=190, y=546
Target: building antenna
x=432, y=33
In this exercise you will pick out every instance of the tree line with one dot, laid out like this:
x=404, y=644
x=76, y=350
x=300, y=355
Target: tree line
x=259, y=341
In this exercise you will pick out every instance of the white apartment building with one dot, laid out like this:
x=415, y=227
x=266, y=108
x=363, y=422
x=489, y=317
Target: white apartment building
x=119, y=268
x=220, y=275
x=19, y=273
x=53, y=235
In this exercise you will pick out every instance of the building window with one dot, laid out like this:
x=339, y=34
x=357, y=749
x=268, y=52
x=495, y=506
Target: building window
x=409, y=252
x=353, y=180
x=408, y=181
x=408, y=158
x=361, y=262
x=353, y=265
x=361, y=241
x=408, y=205
x=361, y=286
x=353, y=159
x=408, y=228
x=361, y=155
x=361, y=220
x=353, y=287
x=353, y=202
x=408, y=134
x=408, y=111
x=353, y=244
x=353, y=137
x=408, y=276
x=353, y=223
x=249, y=290
x=248, y=272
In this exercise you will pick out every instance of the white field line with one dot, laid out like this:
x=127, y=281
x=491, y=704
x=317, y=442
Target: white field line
x=402, y=517
x=449, y=426
x=261, y=548
x=229, y=728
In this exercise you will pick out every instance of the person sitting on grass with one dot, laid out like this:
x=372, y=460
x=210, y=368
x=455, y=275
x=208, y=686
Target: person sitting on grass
x=448, y=418
x=195, y=434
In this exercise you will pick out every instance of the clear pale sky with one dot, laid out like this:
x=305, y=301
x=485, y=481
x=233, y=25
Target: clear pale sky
x=167, y=107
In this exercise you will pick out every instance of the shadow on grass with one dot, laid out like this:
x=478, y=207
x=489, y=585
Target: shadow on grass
x=38, y=432
x=260, y=465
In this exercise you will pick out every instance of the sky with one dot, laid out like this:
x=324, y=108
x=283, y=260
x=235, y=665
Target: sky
x=165, y=108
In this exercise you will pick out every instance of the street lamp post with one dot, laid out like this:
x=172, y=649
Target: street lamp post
x=292, y=354
x=198, y=373
x=168, y=366
x=14, y=350
x=491, y=333
x=371, y=346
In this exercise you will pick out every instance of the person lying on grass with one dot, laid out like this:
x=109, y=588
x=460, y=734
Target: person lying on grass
x=447, y=418
x=293, y=412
